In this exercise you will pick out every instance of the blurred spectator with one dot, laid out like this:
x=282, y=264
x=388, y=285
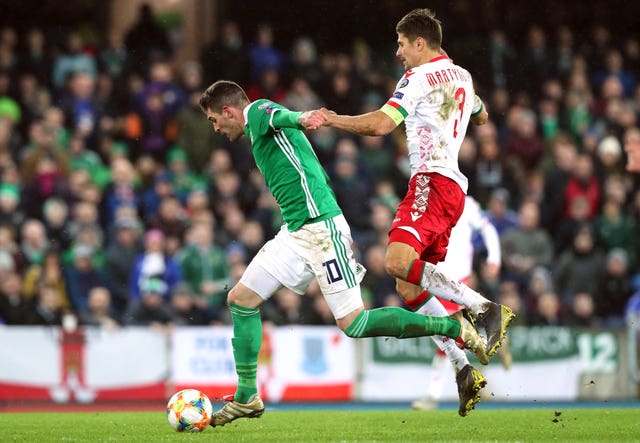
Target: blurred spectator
x=81, y=108
x=34, y=242
x=121, y=255
x=262, y=54
x=509, y=295
x=98, y=312
x=376, y=280
x=615, y=229
x=81, y=277
x=121, y=190
x=13, y=306
x=579, y=267
x=204, y=268
x=526, y=246
x=150, y=309
x=286, y=308
x=550, y=311
x=499, y=213
x=195, y=134
x=614, y=289
x=584, y=183
x=523, y=144
x=48, y=273
x=47, y=308
x=10, y=212
x=35, y=57
x=187, y=310
x=170, y=218
x=146, y=41
x=154, y=264
x=582, y=313
x=181, y=176
x=267, y=86
x=73, y=61
x=55, y=216
x=226, y=56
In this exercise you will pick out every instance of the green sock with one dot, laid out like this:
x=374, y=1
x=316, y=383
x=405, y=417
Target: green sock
x=400, y=323
x=246, y=341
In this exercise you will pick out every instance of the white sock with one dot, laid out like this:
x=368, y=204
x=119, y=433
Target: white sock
x=456, y=355
x=458, y=358
x=437, y=283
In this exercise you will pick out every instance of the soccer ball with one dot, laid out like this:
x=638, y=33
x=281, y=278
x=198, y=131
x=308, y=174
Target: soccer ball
x=189, y=411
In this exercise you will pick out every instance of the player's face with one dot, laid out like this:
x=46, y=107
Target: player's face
x=632, y=148
x=408, y=51
x=225, y=124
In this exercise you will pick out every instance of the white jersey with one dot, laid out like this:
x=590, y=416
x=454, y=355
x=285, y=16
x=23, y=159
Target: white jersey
x=459, y=261
x=435, y=100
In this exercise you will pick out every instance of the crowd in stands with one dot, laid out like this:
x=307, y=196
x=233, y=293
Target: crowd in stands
x=119, y=205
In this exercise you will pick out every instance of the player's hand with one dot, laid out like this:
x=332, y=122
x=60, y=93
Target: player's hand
x=328, y=114
x=312, y=119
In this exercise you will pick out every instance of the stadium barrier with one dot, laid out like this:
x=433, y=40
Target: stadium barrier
x=298, y=363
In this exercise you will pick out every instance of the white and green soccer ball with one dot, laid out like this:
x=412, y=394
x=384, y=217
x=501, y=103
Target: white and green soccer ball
x=189, y=410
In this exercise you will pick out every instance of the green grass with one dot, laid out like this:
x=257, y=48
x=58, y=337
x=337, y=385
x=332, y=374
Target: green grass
x=601, y=425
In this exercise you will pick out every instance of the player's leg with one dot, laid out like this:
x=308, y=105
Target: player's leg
x=470, y=380
x=403, y=262
x=339, y=277
x=418, y=239
x=263, y=276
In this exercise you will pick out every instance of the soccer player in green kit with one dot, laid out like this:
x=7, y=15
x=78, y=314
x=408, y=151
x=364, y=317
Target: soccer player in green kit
x=314, y=242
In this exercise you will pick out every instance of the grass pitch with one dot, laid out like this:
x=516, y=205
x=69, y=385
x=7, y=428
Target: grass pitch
x=602, y=425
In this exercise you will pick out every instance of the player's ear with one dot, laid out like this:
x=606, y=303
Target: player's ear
x=227, y=111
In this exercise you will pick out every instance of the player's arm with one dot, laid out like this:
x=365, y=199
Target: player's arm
x=284, y=118
x=372, y=123
x=479, y=115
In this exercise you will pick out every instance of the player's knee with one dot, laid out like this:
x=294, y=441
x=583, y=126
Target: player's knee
x=395, y=266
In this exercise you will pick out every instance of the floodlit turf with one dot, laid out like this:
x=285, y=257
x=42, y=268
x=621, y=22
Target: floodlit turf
x=334, y=426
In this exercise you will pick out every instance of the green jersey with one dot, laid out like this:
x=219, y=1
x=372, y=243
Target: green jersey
x=290, y=167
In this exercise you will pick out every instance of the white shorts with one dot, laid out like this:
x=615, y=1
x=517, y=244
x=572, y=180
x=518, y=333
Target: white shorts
x=321, y=250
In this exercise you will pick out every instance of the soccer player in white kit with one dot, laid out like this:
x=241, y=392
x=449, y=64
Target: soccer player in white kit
x=436, y=100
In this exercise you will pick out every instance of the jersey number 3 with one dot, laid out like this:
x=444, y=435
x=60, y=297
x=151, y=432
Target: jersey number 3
x=459, y=96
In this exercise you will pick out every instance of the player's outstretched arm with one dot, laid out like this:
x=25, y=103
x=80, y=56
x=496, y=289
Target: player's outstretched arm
x=312, y=119
x=480, y=116
x=371, y=123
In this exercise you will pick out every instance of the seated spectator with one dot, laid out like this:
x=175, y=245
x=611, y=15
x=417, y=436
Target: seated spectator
x=527, y=246
x=153, y=263
x=34, y=242
x=550, y=311
x=98, y=312
x=13, y=306
x=188, y=312
x=151, y=309
x=55, y=216
x=204, y=268
x=579, y=267
x=47, y=309
x=170, y=218
x=582, y=312
x=81, y=277
x=48, y=273
x=121, y=256
x=614, y=289
x=10, y=211
x=499, y=213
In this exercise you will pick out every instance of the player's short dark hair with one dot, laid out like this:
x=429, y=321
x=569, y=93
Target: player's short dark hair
x=421, y=23
x=221, y=93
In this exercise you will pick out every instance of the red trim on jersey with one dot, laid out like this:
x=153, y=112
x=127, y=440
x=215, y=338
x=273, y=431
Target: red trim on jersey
x=438, y=58
x=393, y=104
